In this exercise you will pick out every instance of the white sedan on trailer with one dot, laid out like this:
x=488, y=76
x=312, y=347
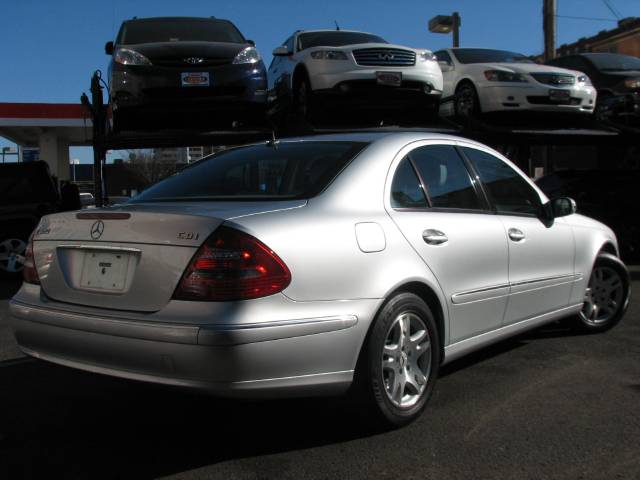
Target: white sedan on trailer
x=485, y=80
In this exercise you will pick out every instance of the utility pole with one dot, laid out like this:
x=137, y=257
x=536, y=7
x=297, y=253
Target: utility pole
x=98, y=112
x=549, y=26
x=456, y=29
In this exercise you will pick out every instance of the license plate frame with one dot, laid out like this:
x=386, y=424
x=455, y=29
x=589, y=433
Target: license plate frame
x=195, y=79
x=389, y=79
x=105, y=271
x=558, y=95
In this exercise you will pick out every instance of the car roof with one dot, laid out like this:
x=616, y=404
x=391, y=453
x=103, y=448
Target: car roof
x=393, y=137
x=194, y=19
x=331, y=30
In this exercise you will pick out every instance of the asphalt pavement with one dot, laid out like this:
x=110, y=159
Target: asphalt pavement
x=549, y=404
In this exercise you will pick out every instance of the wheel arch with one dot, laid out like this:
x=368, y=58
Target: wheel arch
x=429, y=296
x=463, y=81
x=299, y=73
x=609, y=247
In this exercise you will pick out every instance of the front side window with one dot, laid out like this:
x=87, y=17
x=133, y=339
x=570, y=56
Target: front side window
x=507, y=190
x=443, y=56
x=406, y=191
x=446, y=178
x=290, y=170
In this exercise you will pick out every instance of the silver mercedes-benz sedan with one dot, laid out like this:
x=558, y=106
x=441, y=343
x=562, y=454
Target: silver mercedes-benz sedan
x=312, y=265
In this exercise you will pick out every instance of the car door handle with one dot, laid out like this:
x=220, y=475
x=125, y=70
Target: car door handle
x=516, y=235
x=434, y=237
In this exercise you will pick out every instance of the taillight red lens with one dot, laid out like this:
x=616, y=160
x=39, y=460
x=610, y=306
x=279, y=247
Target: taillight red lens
x=232, y=265
x=29, y=272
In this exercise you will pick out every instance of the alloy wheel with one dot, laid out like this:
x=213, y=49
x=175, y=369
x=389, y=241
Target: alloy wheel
x=603, y=297
x=11, y=250
x=406, y=360
x=466, y=102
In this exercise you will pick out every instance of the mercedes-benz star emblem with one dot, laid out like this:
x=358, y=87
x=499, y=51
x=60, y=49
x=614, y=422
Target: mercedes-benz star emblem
x=194, y=60
x=96, y=229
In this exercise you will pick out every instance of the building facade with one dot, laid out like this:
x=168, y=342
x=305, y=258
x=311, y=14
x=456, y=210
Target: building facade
x=624, y=39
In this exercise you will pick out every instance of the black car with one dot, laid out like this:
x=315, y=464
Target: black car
x=610, y=196
x=27, y=192
x=184, y=67
x=611, y=73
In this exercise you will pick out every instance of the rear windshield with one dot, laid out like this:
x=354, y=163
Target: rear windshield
x=336, y=39
x=261, y=172
x=179, y=30
x=483, y=55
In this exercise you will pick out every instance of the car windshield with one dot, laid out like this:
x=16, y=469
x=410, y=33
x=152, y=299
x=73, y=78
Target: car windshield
x=284, y=171
x=481, y=55
x=179, y=30
x=614, y=61
x=336, y=39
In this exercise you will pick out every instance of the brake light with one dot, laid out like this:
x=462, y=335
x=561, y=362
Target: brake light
x=29, y=272
x=232, y=265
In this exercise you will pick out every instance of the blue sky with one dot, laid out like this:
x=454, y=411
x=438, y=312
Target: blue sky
x=51, y=47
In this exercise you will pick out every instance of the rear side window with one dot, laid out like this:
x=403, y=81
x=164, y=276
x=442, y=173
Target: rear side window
x=446, y=178
x=507, y=190
x=293, y=170
x=406, y=191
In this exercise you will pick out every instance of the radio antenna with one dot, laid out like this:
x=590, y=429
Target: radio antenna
x=337, y=26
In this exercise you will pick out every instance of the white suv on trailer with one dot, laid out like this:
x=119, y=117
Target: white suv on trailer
x=353, y=69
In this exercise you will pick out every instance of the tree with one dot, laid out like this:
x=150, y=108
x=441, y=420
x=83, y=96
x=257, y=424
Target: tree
x=148, y=167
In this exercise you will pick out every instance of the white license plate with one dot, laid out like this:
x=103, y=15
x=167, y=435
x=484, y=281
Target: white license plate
x=391, y=79
x=559, y=95
x=195, y=79
x=105, y=270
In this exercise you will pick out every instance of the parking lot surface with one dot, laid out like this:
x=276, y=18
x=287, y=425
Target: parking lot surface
x=548, y=404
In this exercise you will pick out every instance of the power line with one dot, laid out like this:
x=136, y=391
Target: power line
x=611, y=9
x=587, y=18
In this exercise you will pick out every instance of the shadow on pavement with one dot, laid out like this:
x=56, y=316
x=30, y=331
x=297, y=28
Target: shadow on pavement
x=8, y=288
x=61, y=423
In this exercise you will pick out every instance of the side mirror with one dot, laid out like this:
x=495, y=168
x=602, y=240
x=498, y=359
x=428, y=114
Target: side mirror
x=251, y=42
x=282, y=51
x=108, y=48
x=563, y=206
x=445, y=66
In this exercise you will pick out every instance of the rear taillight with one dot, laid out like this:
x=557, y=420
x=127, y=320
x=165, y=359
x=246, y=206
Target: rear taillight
x=232, y=265
x=29, y=272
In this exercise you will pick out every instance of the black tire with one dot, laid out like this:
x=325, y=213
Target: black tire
x=607, y=295
x=304, y=102
x=378, y=381
x=466, y=104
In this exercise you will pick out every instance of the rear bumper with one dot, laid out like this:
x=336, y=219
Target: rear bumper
x=277, y=358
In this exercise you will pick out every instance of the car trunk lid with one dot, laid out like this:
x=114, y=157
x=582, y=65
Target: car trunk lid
x=130, y=257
